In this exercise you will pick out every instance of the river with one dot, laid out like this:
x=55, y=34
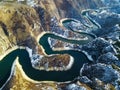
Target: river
x=41, y=75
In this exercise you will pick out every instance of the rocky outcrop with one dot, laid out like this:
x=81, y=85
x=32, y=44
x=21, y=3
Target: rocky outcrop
x=98, y=47
x=109, y=58
x=100, y=76
x=19, y=25
x=104, y=17
x=63, y=9
x=110, y=3
x=107, y=21
x=75, y=87
x=52, y=63
x=106, y=73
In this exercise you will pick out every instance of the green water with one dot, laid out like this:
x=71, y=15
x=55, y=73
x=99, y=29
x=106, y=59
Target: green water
x=80, y=42
x=69, y=20
x=41, y=75
x=83, y=33
x=65, y=23
x=85, y=13
x=5, y=66
x=59, y=76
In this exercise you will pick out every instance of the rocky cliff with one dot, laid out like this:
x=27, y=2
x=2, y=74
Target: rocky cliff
x=15, y=20
x=20, y=25
x=48, y=9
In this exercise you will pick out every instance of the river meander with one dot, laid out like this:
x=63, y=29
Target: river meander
x=24, y=60
x=41, y=75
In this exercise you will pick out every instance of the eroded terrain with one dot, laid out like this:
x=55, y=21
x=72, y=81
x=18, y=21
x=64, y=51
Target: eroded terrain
x=88, y=27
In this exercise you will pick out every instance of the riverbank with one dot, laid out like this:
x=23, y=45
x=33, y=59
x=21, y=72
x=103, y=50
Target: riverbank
x=16, y=63
x=67, y=19
x=67, y=48
x=66, y=67
x=11, y=73
x=56, y=68
x=23, y=73
x=25, y=66
x=79, y=31
x=8, y=51
x=31, y=80
x=60, y=49
x=13, y=65
x=38, y=38
x=70, y=63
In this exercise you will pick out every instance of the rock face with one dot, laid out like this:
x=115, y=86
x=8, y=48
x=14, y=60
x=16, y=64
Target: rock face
x=107, y=19
x=104, y=17
x=50, y=63
x=111, y=2
x=98, y=47
x=16, y=19
x=75, y=87
x=101, y=71
x=85, y=80
x=63, y=9
x=20, y=25
x=108, y=58
x=68, y=8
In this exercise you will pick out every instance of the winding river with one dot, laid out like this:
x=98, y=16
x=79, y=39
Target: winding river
x=41, y=75
x=81, y=32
